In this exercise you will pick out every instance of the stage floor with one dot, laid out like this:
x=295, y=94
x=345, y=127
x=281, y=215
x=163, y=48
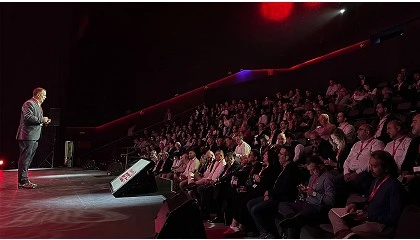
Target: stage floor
x=72, y=203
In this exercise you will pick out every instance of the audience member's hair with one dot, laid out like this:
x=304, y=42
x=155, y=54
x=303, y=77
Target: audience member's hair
x=256, y=154
x=386, y=161
x=341, y=136
x=315, y=160
x=289, y=152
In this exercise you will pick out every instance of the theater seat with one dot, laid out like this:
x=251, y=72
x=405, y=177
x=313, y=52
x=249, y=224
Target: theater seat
x=408, y=226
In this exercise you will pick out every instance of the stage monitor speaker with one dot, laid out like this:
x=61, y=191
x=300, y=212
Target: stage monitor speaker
x=55, y=117
x=136, y=180
x=179, y=217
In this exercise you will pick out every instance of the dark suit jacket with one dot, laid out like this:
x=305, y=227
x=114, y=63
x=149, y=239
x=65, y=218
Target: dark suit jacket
x=164, y=166
x=228, y=172
x=31, y=120
x=412, y=158
x=267, y=178
x=276, y=133
x=285, y=187
x=384, y=137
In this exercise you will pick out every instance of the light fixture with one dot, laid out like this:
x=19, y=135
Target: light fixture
x=342, y=11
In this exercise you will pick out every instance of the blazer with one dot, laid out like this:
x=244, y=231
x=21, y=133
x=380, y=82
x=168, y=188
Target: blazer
x=31, y=121
x=285, y=187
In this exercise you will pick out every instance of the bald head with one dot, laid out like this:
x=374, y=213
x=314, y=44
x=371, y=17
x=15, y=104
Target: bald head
x=365, y=132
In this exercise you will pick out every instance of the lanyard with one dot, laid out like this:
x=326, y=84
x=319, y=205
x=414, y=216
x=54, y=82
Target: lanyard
x=363, y=148
x=394, y=149
x=313, y=182
x=375, y=189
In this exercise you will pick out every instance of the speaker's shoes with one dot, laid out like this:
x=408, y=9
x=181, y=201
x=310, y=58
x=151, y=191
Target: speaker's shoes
x=28, y=185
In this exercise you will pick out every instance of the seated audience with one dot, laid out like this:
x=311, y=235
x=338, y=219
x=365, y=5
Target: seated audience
x=254, y=187
x=347, y=128
x=340, y=146
x=410, y=175
x=400, y=141
x=379, y=215
x=318, y=198
x=356, y=165
x=383, y=110
x=262, y=209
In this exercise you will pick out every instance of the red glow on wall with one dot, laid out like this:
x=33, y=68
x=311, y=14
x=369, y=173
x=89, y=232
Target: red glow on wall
x=276, y=11
x=312, y=4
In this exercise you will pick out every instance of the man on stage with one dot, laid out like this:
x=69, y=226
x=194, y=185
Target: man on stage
x=28, y=134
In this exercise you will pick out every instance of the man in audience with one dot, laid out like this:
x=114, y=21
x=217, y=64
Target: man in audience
x=347, y=128
x=284, y=190
x=242, y=148
x=265, y=144
x=383, y=110
x=283, y=126
x=320, y=147
x=230, y=144
x=325, y=128
x=379, y=215
x=356, y=165
x=410, y=168
x=220, y=143
x=188, y=176
x=331, y=90
x=309, y=122
x=164, y=164
x=342, y=100
x=320, y=197
x=296, y=147
x=178, y=167
x=401, y=86
x=205, y=186
x=400, y=141
x=275, y=116
x=273, y=132
x=211, y=145
x=222, y=186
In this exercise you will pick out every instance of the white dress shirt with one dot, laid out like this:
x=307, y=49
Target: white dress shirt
x=398, y=149
x=358, y=159
x=243, y=149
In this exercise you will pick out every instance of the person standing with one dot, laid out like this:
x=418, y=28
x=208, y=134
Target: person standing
x=29, y=132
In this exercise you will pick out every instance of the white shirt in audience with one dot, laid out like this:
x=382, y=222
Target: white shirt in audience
x=243, y=149
x=398, y=149
x=349, y=131
x=358, y=159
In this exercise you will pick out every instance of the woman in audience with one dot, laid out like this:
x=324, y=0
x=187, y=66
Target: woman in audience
x=255, y=186
x=263, y=209
x=339, y=142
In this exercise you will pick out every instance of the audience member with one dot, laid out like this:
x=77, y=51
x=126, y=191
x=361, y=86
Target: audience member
x=379, y=215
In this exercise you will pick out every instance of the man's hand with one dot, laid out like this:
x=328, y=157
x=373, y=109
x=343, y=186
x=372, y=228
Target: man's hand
x=351, y=208
x=350, y=177
x=46, y=120
x=310, y=191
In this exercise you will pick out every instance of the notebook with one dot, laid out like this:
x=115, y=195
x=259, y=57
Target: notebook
x=341, y=212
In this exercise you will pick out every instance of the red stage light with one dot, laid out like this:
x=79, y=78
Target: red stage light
x=1, y=162
x=312, y=4
x=276, y=11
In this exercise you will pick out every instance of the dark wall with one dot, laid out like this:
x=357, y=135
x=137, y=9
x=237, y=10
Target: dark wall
x=381, y=62
x=35, y=44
